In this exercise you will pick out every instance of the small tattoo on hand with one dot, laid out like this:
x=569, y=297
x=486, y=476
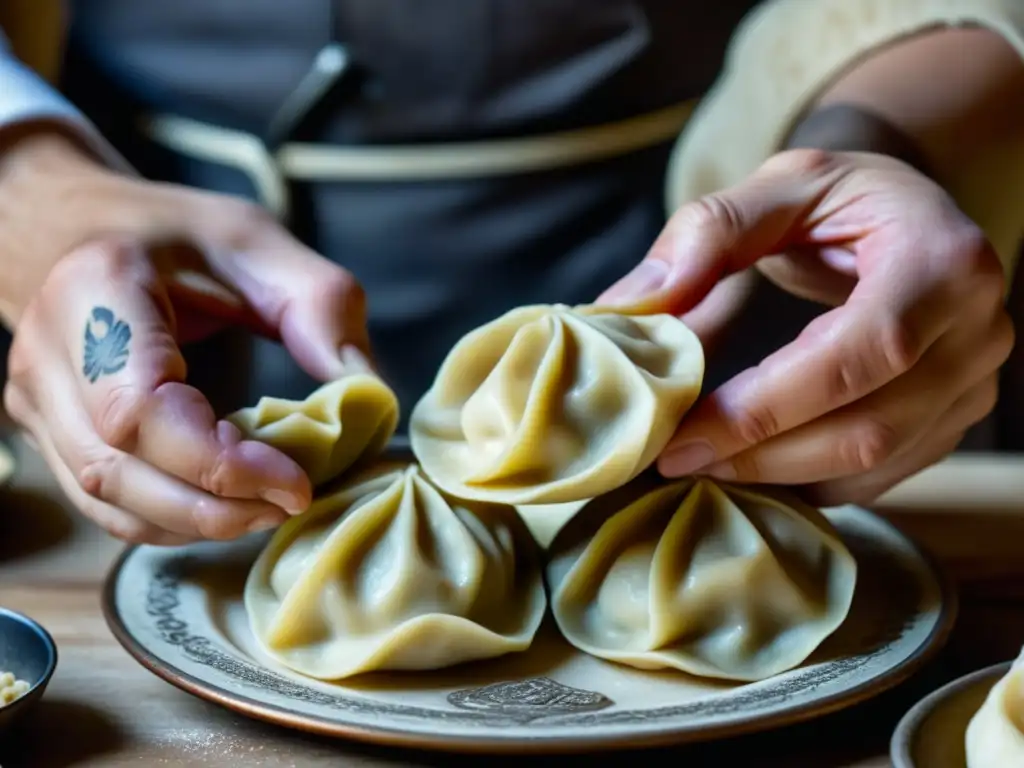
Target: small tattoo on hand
x=106, y=354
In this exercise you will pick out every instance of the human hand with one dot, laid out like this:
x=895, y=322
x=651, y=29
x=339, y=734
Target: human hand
x=133, y=269
x=872, y=391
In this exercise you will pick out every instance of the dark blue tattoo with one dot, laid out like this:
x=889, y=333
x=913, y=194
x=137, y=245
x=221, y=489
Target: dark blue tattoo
x=108, y=353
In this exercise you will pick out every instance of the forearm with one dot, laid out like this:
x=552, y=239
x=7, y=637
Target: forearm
x=54, y=165
x=935, y=99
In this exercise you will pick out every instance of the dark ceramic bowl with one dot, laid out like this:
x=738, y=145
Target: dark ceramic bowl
x=28, y=651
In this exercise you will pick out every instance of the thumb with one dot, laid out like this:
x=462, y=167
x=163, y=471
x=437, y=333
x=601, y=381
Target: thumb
x=118, y=328
x=726, y=232
x=316, y=307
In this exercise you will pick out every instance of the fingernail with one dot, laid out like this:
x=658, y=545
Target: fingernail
x=289, y=502
x=723, y=470
x=646, y=278
x=265, y=523
x=687, y=458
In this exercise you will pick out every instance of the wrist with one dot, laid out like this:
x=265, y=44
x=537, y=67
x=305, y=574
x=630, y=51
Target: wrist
x=848, y=128
x=52, y=199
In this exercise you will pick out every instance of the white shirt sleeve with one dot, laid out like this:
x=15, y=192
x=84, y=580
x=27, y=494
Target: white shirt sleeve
x=25, y=97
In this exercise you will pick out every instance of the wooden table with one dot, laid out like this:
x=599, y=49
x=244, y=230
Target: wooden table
x=102, y=709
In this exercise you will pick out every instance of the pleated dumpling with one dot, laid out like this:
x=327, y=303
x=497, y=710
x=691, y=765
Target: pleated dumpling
x=713, y=580
x=552, y=404
x=388, y=573
x=325, y=434
x=995, y=735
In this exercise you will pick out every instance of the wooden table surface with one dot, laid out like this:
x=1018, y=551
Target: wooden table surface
x=103, y=709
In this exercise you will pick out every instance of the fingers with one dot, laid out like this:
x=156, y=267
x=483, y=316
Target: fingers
x=727, y=232
x=180, y=434
x=110, y=483
x=118, y=523
x=117, y=329
x=932, y=447
x=843, y=357
x=317, y=308
x=874, y=431
x=839, y=358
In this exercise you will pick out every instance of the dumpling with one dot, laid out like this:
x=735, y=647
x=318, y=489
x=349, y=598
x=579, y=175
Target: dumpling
x=325, y=434
x=389, y=573
x=713, y=580
x=552, y=404
x=995, y=735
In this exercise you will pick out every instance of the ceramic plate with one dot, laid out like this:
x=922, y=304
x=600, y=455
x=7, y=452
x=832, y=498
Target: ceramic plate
x=180, y=613
x=932, y=733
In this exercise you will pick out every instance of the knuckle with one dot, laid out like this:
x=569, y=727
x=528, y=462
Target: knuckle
x=801, y=161
x=898, y=347
x=214, y=476
x=712, y=217
x=871, y=444
x=100, y=477
x=15, y=403
x=754, y=424
x=113, y=258
x=891, y=351
x=245, y=220
x=119, y=415
x=851, y=376
x=217, y=521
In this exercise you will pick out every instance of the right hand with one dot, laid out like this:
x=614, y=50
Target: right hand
x=134, y=447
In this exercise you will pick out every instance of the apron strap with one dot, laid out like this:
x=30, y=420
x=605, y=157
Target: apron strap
x=271, y=169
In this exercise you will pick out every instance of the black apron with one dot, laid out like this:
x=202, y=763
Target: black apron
x=436, y=258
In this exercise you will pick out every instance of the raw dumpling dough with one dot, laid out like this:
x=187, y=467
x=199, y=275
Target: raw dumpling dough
x=389, y=573
x=325, y=434
x=714, y=580
x=995, y=735
x=550, y=404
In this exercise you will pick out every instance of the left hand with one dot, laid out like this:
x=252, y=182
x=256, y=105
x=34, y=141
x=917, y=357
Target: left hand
x=871, y=392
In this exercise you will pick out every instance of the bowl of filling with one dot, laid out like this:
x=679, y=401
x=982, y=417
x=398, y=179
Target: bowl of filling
x=28, y=657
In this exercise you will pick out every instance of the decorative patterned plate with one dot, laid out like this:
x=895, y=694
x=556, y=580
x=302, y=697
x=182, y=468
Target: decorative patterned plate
x=932, y=734
x=179, y=613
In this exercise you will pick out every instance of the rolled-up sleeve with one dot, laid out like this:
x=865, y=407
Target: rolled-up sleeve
x=788, y=51
x=26, y=97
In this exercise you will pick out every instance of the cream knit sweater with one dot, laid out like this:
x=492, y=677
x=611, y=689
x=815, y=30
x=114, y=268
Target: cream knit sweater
x=787, y=51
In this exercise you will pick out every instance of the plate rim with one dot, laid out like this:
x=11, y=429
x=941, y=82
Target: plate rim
x=386, y=736
x=901, y=743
